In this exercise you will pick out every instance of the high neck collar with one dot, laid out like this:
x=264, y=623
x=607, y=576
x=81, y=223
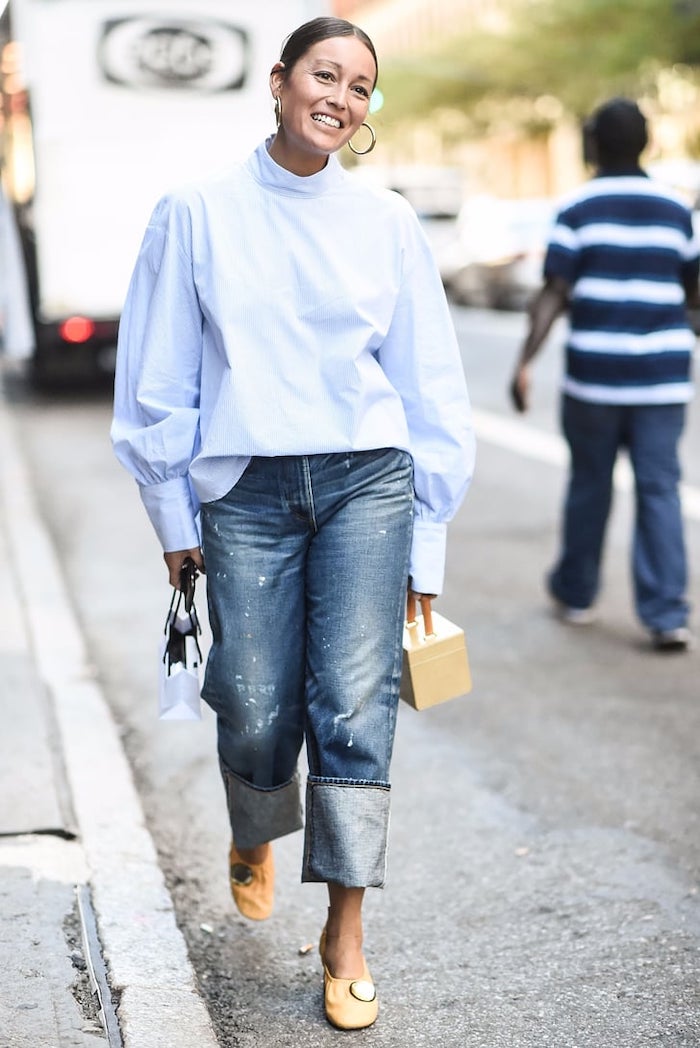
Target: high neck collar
x=268, y=172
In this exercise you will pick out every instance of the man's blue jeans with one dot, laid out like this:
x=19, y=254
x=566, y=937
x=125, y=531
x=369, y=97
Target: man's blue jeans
x=307, y=563
x=595, y=433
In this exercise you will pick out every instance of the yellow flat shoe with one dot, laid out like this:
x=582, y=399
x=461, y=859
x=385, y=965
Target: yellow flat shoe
x=252, y=885
x=350, y=1004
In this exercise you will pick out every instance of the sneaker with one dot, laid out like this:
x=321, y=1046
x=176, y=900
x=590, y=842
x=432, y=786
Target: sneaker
x=574, y=616
x=679, y=639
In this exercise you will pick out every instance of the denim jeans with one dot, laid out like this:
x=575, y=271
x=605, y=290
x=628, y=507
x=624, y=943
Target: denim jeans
x=307, y=565
x=595, y=433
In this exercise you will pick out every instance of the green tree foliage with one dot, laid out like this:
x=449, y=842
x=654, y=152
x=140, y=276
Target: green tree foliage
x=577, y=51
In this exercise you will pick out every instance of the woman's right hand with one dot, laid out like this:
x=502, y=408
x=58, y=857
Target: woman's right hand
x=177, y=558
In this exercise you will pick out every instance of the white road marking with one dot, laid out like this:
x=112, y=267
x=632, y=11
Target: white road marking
x=513, y=435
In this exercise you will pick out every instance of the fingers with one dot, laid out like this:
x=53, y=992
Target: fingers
x=175, y=559
x=516, y=396
x=174, y=569
x=198, y=558
x=519, y=388
x=519, y=391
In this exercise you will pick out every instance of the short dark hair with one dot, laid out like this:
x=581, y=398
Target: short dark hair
x=618, y=129
x=298, y=43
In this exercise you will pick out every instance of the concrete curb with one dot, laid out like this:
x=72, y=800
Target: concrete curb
x=144, y=950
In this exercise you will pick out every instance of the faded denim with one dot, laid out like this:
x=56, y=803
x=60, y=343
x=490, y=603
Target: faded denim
x=307, y=564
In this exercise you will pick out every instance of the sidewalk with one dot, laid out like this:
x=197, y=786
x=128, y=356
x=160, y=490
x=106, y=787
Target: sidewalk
x=90, y=953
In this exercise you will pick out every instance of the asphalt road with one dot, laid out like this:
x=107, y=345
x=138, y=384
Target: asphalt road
x=545, y=845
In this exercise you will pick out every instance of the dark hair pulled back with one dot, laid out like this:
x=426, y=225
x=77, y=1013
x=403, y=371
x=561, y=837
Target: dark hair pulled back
x=298, y=43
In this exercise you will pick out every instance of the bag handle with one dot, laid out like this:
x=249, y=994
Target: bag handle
x=175, y=649
x=426, y=609
x=189, y=574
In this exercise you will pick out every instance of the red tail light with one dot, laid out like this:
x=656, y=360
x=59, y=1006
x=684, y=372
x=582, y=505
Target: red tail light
x=77, y=329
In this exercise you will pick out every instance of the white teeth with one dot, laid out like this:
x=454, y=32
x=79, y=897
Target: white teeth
x=321, y=118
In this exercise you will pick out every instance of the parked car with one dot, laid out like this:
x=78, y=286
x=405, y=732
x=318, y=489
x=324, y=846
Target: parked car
x=495, y=259
x=433, y=191
x=436, y=194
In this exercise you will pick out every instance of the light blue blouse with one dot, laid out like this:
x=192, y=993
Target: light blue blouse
x=273, y=314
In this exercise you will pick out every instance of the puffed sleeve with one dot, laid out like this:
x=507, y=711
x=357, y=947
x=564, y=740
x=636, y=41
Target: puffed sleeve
x=155, y=429
x=421, y=358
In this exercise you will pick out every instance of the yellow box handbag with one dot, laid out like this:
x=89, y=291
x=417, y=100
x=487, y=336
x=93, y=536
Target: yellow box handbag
x=435, y=660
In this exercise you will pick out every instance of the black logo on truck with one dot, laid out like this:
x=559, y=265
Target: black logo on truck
x=195, y=55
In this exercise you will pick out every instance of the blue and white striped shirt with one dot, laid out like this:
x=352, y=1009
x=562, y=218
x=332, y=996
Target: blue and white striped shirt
x=273, y=314
x=625, y=245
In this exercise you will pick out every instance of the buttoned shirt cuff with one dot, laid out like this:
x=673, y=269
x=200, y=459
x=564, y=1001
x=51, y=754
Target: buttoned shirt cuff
x=427, y=564
x=171, y=511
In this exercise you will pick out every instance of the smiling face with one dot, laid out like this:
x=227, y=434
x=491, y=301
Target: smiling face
x=324, y=98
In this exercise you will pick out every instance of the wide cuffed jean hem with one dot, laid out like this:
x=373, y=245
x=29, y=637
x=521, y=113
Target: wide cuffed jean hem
x=258, y=815
x=347, y=826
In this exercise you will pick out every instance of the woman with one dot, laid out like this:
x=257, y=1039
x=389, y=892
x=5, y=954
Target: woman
x=287, y=361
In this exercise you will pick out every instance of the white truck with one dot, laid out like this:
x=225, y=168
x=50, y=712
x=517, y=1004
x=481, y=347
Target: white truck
x=106, y=105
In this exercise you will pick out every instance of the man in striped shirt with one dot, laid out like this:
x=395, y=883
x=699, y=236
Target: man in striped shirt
x=623, y=262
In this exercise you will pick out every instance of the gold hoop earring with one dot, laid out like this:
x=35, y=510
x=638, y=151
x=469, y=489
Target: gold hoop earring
x=278, y=110
x=370, y=147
